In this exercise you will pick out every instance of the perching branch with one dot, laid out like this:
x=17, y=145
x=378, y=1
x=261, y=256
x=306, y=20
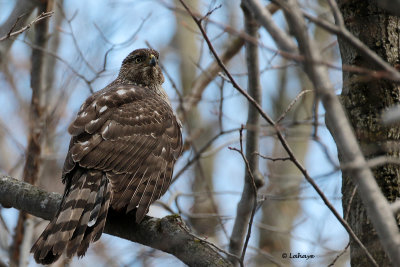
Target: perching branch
x=169, y=234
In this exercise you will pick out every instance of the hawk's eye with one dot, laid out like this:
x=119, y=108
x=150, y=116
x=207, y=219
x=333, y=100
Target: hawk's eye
x=138, y=60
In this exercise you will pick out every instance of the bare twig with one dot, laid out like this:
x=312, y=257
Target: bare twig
x=341, y=31
x=42, y=16
x=74, y=71
x=347, y=211
x=272, y=159
x=206, y=76
x=339, y=255
x=248, y=201
x=222, y=65
x=200, y=152
x=292, y=104
x=71, y=33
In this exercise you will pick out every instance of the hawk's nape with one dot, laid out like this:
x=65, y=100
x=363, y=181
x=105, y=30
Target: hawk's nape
x=125, y=141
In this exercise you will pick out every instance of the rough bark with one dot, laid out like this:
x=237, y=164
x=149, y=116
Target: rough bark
x=169, y=234
x=364, y=99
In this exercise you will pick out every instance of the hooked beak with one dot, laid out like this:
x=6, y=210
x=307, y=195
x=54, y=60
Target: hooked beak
x=153, y=61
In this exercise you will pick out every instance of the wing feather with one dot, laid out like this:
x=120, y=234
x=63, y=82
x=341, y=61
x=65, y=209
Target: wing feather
x=125, y=141
x=134, y=137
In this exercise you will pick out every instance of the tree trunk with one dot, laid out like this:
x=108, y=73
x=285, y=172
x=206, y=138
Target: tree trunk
x=199, y=129
x=364, y=99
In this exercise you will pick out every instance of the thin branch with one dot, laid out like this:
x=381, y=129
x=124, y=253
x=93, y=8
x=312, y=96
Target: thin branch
x=42, y=16
x=271, y=158
x=75, y=42
x=200, y=152
x=339, y=255
x=169, y=234
x=75, y=72
x=246, y=201
x=206, y=76
x=292, y=104
x=293, y=55
x=341, y=31
x=222, y=65
x=347, y=212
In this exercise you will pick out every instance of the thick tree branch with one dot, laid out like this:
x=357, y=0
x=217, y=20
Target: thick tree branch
x=169, y=234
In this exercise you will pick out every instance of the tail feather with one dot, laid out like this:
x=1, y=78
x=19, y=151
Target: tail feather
x=42, y=255
x=81, y=225
x=99, y=224
x=69, y=215
x=101, y=219
x=81, y=216
x=99, y=202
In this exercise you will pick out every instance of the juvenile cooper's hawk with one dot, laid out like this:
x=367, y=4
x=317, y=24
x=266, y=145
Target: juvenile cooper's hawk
x=125, y=141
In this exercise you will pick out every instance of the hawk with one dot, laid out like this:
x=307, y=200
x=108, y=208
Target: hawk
x=125, y=141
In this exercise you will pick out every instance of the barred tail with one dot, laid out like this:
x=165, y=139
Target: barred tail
x=80, y=220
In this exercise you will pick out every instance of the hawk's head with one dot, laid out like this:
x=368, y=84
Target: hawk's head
x=141, y=67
